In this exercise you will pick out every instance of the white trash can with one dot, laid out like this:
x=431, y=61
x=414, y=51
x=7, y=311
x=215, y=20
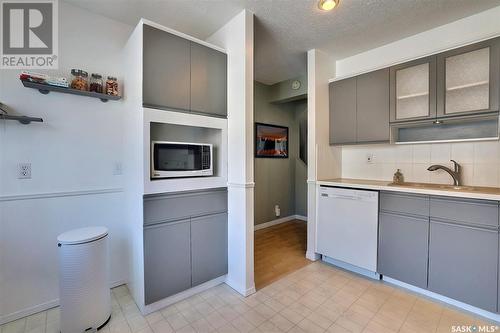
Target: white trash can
x=84, y=293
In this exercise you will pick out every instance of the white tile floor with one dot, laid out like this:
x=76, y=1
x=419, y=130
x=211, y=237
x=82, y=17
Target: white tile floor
x=317, y=298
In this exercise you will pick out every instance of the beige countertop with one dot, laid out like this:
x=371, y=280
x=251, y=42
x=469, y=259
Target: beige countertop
x=473, y=192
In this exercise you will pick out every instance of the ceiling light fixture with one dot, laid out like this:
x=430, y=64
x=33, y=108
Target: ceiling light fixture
x=328, y=5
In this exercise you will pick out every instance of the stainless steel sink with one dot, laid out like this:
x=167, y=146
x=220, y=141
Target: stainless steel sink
x=444, y=187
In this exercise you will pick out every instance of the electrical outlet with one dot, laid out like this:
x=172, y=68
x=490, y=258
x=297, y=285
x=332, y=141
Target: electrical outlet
x=117, y=169
x=277, y=210
x=24, y=171
x=370, y=158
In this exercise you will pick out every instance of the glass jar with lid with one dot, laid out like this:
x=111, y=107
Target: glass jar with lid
x=96, y=83
x=112, y=86
x=80, y=80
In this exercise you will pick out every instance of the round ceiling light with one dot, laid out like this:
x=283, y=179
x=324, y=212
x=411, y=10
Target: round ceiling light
x=328, y=5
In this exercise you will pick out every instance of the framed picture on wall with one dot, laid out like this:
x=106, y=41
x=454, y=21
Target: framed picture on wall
x=271, y=141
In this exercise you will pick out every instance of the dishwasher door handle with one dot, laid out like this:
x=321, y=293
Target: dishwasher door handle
x=340, y=196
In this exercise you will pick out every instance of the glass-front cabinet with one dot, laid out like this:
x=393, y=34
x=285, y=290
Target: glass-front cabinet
x=467, y=79
x=413, y=90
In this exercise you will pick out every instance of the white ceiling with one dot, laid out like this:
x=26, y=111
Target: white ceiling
x=286, y=29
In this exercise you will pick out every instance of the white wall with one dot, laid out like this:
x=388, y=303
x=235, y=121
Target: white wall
x=480, y=160
x=323, y=161
x=237, y=37
x=73, y=154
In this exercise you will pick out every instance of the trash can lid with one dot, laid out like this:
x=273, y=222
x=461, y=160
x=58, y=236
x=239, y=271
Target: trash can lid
x=82, y=235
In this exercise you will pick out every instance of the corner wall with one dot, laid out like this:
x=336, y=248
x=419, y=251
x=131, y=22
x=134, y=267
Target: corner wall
x=237, y=37
x=323, y=161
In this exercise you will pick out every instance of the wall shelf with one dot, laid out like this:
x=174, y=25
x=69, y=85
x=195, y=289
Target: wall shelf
x=420, y=94
x=45, y=89
x=22, y=119
x=468, y=85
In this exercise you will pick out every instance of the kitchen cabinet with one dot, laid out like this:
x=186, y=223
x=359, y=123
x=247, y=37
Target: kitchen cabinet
x=343, y=111
x=185, y=241
x=413, y=90
x=167, y=259
x=372, y=107
x=181, y=75
x=208, y=247
x=402, y=248
x=166, y=70
x=468, y=79
x=359, y=109
x=208, y=80
x=463, y=263
x=178, y=205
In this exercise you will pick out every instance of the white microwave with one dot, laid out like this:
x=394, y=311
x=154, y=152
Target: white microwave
x=181, y=159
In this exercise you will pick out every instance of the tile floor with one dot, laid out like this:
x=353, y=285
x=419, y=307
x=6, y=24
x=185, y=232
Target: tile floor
x=316, y=298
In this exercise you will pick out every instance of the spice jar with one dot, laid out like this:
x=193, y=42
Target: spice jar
x=80, y=80
x=112, y=86
x=96, y=83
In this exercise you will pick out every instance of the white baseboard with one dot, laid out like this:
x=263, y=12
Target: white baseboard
x=147, y=309
x=483, y=313
x=279, y=221
x=41, y=307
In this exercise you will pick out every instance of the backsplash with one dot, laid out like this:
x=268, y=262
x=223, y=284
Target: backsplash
x=480, y=162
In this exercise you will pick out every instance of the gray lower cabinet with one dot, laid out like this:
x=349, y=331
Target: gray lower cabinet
x=208, y=80
x=208, y=247
x=178, y=205
x=372, y=107
x=185, y=241
x=166, y=70
x=343, y=111
x=463, y=263
x=403, y=248
x=167, y=259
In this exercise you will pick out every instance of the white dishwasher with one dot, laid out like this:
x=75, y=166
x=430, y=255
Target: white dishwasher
x=347, y=228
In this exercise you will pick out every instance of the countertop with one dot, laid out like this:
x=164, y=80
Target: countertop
x=485, y=193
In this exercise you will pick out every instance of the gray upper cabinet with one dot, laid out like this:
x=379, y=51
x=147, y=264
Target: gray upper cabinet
x=402, y=248
x=181, y=75
x=359, y=109
x=167, y=260
x=166, y=70
x=413, y=90
x=208, y=80
x=208, y=247
x=343, y=111
x=463, y=262
x=468, y=79
x=372, y=111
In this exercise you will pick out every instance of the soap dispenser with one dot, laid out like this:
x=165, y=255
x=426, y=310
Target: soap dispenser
x=398, y=177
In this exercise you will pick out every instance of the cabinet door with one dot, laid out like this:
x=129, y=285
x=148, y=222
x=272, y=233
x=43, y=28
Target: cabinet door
x=208, y=247
x=403, y=248
x=372, y=95
x=413, y=90
x=463, y=263
x=208, y=80
x=343, y=111
x=167, y=260
x=166, y=70
x=468, y=79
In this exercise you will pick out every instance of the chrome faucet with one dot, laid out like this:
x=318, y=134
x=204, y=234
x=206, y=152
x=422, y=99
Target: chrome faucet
x=455, y=174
